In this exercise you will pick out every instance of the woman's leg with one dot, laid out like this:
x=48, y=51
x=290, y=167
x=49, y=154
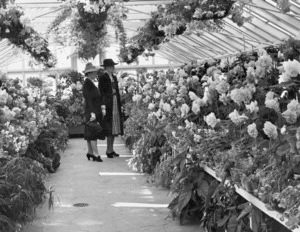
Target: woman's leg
x=95, y=151
x=110, y=141
x=94, y=148
x=90, y=149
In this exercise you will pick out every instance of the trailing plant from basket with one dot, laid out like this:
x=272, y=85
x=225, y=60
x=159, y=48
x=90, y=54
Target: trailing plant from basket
x=181, y=17
x=16, y=28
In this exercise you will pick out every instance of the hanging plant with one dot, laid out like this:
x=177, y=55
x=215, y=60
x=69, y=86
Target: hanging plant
x=15, y=27
x=86, y=26
x=181, y=16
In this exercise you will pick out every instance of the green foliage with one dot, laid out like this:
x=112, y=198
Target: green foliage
x=35, y=82
x=21, y=191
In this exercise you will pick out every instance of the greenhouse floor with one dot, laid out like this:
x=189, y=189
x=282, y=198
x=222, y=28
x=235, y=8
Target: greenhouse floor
x=119, y=199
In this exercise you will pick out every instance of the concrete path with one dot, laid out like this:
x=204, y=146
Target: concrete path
x=119, y=200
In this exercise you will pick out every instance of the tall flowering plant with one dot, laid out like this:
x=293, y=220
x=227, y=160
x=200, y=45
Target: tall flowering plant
x=31, y=138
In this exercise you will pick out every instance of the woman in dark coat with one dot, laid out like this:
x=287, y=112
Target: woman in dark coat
x=110, y=95
x=93, y=111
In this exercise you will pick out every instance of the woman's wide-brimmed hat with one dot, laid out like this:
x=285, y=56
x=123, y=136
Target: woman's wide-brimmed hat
x=108, y=62
x=89, y=67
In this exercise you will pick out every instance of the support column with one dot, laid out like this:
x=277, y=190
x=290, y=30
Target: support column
x=23, y=72
x=102, y=56
x=74, y=65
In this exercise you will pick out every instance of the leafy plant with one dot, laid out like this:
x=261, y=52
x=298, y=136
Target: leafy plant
x=21, y=190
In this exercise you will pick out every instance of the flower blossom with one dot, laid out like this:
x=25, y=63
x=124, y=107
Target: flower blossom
x=284, y=78
x=195, y=79
x=283, y=130
x=236, y=118
x=211, y=120
x=192, y=96
x=137, y=98
x=131, y=89
x=252, y=131
x=241, y=95
x=151, y=106
x=195, y=107
x=252, y=107
x=291, y=68
x=156, y=95
x=292, y=112
x=222, y=87
x=270, y=130
x=3, y=96
x=167, y=107
x=272, y=102
x=184, y=110
x=146, y=99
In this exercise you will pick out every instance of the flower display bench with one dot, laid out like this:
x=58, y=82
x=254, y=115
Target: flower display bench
x=76, y=131
x=253, y=200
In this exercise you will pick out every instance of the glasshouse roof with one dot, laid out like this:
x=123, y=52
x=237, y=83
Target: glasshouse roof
x=268, y=26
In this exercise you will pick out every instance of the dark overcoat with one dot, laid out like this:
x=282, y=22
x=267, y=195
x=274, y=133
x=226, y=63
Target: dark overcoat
x=93, y=102
x=105, y=88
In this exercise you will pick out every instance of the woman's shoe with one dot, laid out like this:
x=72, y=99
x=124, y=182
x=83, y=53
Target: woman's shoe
x=115, y=154
x=110, y=155
x=98, y=159
x=88, y=156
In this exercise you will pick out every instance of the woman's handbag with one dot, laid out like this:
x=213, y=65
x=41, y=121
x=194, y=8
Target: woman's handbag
x=94, y=126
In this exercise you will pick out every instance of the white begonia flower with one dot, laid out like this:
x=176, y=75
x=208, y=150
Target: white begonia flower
x=270, y=130
x=195, y=79
x=222, y=87
x=158, y=113
x=161, y=103
x=252, y=131
x=42, y=104
x=130, y=89
x=184, y=110
x=211, y=120
x=283, y=130
x=195, y=107
x=192, y=96
x=151, y=106
x=137, y=98
x=30, y=99
x=241, y=95
x=272, y=102
x=156, y=95
x=147, y=99
x=236, y=118
x=181, y=81
x=290, y=116
x=253, y=107
x=197, y=138
x=284, y=78
x=292, y=68
x=173, y=103
x=167, y=107
x=294, y=106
